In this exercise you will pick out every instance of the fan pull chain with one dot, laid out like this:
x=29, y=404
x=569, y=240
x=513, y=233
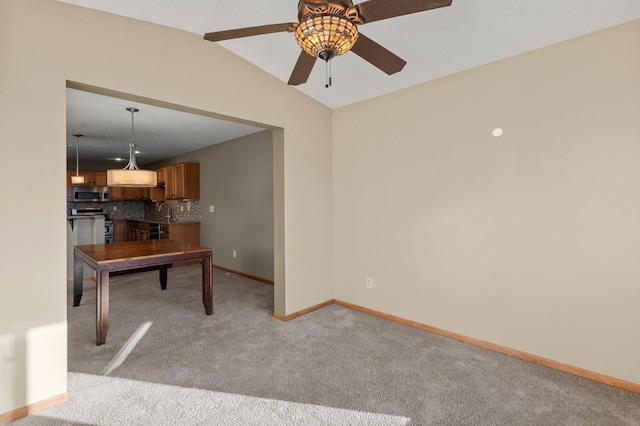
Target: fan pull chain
x=327, y=74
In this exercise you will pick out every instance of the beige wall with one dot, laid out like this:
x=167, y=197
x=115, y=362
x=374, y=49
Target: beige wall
x=43, y=44
x=530, y=240
x=236, y=177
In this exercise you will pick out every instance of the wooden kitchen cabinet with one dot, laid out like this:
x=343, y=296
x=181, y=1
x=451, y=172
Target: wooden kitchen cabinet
x=130, y=194
x=138, y=231
x=155, y=193
x=182, y=181
x=143, y=194
x=184, y=233
x=131, y=226
x=137, y=194
x=99, y=178
x=116, y=193
x=120, y=231
x=160, y=176
x=126, y=194
x=144, y=231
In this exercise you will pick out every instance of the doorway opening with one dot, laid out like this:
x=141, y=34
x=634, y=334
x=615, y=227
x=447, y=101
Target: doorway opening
x=240, y=207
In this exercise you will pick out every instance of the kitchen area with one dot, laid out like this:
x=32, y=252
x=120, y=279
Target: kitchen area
x=196, y=159
x=97, y=213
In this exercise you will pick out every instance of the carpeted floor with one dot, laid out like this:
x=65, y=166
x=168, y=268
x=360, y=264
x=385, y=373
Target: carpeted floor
x=333, y=366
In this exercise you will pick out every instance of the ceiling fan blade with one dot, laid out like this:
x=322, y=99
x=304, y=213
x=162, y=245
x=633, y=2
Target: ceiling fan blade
x=302, y=70
x=376, y=10
x=377, y=55
x=248, y=32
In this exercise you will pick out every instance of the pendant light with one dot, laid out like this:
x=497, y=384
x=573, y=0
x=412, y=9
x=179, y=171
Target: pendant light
x=131, y=175
x=77, y=178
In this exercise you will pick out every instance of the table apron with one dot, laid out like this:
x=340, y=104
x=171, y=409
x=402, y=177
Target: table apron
x=127, y=264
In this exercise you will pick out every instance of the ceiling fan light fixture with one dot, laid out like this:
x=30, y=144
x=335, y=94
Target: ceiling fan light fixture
x=131, y=175
x=326, y=36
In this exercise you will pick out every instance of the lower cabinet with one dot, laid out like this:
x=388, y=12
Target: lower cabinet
x=185, y=233
x=137, y=231
x=134, y=230
x=120, y=232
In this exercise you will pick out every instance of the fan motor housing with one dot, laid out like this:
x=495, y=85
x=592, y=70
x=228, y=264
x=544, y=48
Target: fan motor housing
x=332, y=7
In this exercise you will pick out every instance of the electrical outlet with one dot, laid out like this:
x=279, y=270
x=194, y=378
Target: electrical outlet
x=369, y=282
x=234, y=254
x=211, y=209
x=181, y=208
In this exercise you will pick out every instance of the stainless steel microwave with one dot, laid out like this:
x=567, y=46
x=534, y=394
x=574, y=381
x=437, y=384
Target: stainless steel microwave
x=91, y=194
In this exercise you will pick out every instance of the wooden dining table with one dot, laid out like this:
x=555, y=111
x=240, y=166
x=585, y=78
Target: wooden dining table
x=131, y=256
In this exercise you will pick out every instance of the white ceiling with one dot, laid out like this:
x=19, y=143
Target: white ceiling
x=159, y=133
x=435, y=43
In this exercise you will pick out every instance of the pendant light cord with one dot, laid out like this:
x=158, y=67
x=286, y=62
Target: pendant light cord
x=78, y=136
x=327, y=74
x=133, y=137
x=132, y=144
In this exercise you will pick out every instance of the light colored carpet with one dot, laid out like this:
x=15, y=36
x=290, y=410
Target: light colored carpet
x=329, y=363
x=99, y=400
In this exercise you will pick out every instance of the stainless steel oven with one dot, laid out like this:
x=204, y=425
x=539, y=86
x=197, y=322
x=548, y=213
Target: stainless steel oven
x=108, y=231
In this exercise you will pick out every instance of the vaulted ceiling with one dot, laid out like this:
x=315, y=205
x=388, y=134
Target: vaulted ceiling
x=435, y=43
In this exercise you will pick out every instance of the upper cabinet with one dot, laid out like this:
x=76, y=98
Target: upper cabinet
x=155, y=193
x=99, y=178
x=161, y=179
x=182, y=181
x=118, y=193
x=137, y=194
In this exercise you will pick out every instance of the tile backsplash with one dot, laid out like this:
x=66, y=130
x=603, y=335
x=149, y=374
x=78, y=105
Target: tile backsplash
x=125, y=210
x=114, y=210
x=182, y=211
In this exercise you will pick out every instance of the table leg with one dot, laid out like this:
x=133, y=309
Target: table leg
x=102, y=306
x=163, y=276
x=207, y=285
x=78, y=266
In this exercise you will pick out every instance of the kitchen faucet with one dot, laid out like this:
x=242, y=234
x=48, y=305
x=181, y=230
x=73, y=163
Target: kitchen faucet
x=168, y=216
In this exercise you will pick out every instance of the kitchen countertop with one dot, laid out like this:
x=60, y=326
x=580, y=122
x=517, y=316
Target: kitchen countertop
x=93, y=216
x=96, y=216
x=162, y=222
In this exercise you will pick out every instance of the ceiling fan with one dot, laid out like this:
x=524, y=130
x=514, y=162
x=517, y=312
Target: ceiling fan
x=328, y=28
